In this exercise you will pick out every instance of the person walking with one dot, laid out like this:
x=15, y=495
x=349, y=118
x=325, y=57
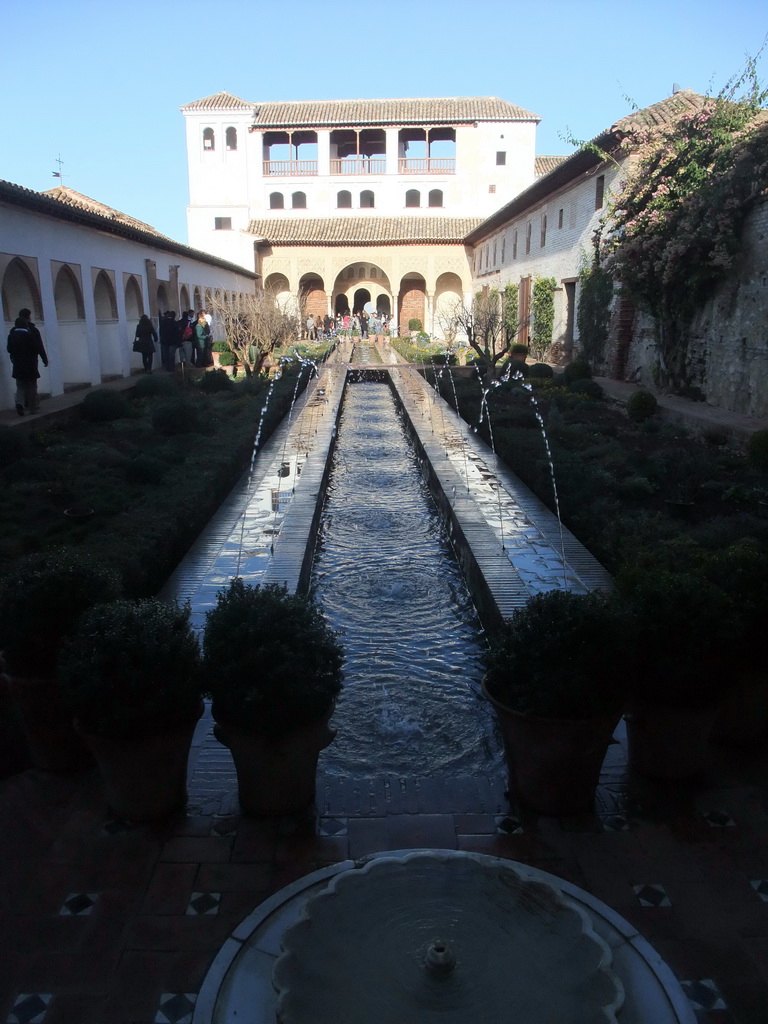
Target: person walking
x=203, y=342
x=25, y=347
x=144, y=341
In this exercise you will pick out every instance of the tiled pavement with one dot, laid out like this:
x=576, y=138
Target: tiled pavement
x=107, y=923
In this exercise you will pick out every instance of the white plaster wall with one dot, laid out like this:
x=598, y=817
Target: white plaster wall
x=565, y=250
x=85, y=351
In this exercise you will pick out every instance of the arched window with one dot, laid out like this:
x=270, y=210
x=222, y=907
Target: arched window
x=413, y=197
x=361, y=272
x=366, y=200
x=231, y=138
x=209, y=139
x=351, y=272
x=276, y=201
x=344, y=200
x=299, y=200
x=543, y=234
x=436, y=197
x=373, y=274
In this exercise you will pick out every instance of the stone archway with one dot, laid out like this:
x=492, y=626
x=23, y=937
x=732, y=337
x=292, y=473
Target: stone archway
x=107, y=326
x=20, y=291
x=412, y=302
x=448, y=298
x=73, y=341
x=312, y=297
x=355, y=286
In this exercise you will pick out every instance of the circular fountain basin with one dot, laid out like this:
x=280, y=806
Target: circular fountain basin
x=427, y=934
x=430, y=937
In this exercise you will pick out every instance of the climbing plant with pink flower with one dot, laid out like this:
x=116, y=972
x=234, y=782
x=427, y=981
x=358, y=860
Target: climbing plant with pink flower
x=674, y=225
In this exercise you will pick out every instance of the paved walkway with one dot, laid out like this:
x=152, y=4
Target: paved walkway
x=102, y=922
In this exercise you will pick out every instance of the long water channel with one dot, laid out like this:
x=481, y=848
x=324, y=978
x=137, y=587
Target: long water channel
x=385, y=574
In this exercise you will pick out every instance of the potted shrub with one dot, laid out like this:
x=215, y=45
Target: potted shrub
x=131, y=674
x=683, y=625
x=273, y=668
x=41, y=598
x=555, y=673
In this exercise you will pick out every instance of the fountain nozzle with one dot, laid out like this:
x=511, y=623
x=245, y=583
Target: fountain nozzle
x=439, y=959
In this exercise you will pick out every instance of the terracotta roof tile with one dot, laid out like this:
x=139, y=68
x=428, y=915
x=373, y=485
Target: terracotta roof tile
x=68, y=196
x=219, y=101
x=364, y=230
x=445, y=110
x=545, y=164
x=666, y=111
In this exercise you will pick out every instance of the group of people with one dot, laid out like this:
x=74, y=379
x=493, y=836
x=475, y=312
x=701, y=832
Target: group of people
x=25, y=347
x=378, y=325
x=190, y=336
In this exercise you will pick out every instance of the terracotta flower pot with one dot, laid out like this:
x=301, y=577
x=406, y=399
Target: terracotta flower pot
x=554, y=763
x=668, y=742
x=145, y=777
x=51, y=738
x=276, y=776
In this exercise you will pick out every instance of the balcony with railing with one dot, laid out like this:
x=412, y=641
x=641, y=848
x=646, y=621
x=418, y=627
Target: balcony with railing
x=289, y=168
x=359, y=165
x=428, y=165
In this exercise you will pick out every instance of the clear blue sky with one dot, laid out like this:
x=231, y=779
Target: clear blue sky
x=102, y=85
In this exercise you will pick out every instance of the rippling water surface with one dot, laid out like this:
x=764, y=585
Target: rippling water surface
x=386, y=576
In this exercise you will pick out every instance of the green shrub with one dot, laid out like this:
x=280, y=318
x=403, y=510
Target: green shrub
x=577, y=369
x=103, y=406
x=227, y=358
x=132, y=669
x=176, y=417
x=757, y=449
x=635, y=488
x=156, y=384
x=542, y=370
x=41, y=598
x=216, y=380
x=220, y=346
x=563, y=655
x=271, y=662
x=641, y=405
x=586, y=386
x=518, y=350
x=414, y=324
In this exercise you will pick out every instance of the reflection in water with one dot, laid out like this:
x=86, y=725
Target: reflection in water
x=385, y=574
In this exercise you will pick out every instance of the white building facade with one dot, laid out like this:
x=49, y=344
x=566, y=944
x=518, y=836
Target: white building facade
x=88, y=273
x=391, y=186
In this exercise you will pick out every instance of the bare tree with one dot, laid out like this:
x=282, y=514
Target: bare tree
x=490, y=325
x=254, y=326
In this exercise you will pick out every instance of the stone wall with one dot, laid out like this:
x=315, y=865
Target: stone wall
x=728, y=349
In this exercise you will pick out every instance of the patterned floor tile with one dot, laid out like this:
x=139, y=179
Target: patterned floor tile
x=652, y=895
x=332, y=827
x=29, y=1008
x=703, y=995
x=204, y=903
x=508, y=825
x=176, y=1008
x=760, y=885
x=718, y=819
x=78, y=904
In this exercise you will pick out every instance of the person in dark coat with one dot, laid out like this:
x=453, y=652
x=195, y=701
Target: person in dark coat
x=144, y=341
x=25, y=346
x=203, y=341
x=169, y=340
